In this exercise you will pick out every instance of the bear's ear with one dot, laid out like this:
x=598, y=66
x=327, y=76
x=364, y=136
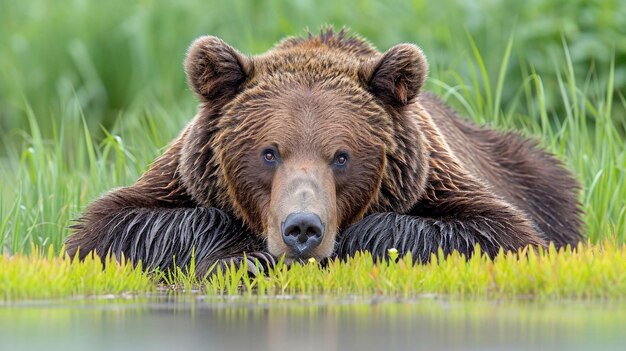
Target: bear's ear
x=397, y=77
x=214, y=69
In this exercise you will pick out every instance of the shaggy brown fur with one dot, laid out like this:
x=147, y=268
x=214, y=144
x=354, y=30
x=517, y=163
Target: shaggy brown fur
x=418, y=177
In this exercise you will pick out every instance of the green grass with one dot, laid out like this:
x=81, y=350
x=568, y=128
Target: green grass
x=46, y=275
x=592, y=271
x=589, y=271
x=92, y=92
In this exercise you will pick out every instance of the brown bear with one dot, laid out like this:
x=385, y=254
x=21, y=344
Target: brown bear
x=321, y=147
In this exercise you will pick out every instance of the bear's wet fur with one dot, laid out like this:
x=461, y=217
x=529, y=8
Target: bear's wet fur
x=265, y=143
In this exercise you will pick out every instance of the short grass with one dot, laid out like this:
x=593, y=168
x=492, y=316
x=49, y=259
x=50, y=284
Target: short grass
x=588, y=271
x=91, y=92
x=47, y=275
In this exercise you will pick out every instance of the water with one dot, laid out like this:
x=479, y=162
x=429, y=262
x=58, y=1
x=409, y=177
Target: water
x=287, y=323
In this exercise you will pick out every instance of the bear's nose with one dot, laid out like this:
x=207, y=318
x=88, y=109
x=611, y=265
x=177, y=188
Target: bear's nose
x=302, y=232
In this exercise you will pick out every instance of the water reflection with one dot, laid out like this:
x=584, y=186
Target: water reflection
x=180, y=323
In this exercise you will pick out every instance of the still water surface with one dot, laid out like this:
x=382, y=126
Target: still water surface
x=320, y=324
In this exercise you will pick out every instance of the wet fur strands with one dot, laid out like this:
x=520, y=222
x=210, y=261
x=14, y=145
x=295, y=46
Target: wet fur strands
x=168, y=237
x=420, y=236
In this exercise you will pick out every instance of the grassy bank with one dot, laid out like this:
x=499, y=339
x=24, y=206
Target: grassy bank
x=590, y=271
x=92, y=92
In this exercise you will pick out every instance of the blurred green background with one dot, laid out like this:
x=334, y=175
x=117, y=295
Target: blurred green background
x=91, y=91
x=114, y=56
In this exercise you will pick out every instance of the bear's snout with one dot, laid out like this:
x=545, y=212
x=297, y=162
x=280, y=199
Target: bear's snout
x=302, y=214
x=302, y=232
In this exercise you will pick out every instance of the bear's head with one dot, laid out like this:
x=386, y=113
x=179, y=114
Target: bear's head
x=306, y=139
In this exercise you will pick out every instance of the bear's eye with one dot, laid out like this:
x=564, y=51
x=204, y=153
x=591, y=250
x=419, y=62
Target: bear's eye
x=269, y=156
x=341, y=160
